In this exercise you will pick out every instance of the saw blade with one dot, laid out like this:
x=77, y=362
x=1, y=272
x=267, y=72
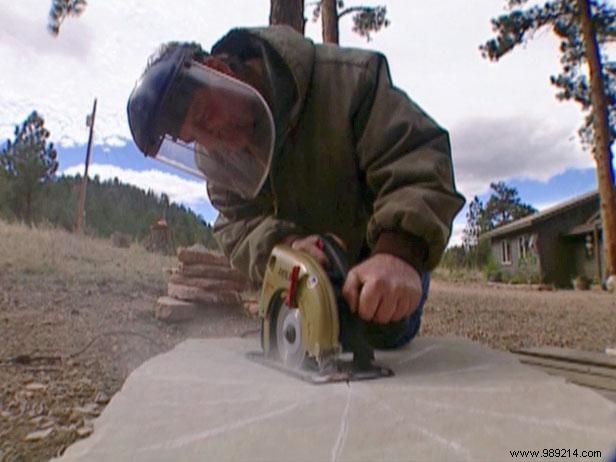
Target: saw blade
x=289, y=337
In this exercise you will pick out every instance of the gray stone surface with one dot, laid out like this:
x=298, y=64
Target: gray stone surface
x=450, y=400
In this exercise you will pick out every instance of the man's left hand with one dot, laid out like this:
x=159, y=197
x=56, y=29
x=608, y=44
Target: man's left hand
x=383, y=289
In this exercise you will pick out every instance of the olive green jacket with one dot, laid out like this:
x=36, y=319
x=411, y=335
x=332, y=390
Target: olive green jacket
x=354, y=156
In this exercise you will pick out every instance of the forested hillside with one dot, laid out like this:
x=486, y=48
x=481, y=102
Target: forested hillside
x=111, y=206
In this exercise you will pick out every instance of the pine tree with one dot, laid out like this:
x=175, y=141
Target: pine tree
x=366, y=19
x=27, y=162
x=61, y=9
x=289, y=12
x=504, y=206
x=584, y=28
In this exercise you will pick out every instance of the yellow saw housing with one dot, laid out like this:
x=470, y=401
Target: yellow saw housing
x=313, y=296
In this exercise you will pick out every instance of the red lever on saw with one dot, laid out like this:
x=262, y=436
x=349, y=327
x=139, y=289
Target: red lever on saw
x=292, y=287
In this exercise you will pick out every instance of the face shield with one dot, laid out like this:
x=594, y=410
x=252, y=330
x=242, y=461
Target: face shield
x=206, y=123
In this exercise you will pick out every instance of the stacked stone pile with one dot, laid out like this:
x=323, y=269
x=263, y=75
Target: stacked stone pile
x=203, y=278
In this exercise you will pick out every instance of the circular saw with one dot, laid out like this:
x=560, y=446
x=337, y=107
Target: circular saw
x=307, y=328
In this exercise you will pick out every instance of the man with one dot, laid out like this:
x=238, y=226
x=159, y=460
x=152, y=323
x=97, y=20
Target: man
x=297, y=140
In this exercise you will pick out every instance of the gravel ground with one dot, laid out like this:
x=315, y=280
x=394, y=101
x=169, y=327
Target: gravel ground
x=67, y=348
x=510, y=317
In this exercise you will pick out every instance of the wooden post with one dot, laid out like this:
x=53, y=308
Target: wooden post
x=598, y=251
x=81, y=203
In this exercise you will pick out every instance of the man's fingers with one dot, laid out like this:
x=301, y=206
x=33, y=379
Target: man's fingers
x=386, y=309
x=350, y=290
x=403, y=308
x=310, y=246
x=369, y=299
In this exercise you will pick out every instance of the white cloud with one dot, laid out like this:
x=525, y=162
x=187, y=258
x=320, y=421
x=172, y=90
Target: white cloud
x=504, y=120
x=100, y=54
x=190, y=193
x=114, y=141
x=499, y=149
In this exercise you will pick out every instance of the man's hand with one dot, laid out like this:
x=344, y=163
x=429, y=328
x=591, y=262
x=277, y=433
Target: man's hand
x=311, y=245
x=383, y=289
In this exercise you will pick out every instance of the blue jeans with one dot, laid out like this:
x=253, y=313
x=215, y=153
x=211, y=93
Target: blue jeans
x=398, y=334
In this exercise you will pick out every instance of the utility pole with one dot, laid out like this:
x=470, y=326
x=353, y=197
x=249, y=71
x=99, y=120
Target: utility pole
x=81, y=204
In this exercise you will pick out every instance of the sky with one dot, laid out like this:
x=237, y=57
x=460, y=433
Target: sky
x=503, y=118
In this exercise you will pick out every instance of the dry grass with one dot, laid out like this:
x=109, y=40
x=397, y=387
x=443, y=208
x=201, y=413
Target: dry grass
x=57, y=254
x=82, y=312
x=457, y=275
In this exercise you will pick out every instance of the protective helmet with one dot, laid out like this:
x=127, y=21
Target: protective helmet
x=202, y=121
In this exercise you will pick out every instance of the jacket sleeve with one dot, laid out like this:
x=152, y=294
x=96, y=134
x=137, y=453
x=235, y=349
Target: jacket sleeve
x=406, y=159
x=247, y=231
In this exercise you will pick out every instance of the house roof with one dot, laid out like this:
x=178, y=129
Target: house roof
x=594, y=222
x=527, y=222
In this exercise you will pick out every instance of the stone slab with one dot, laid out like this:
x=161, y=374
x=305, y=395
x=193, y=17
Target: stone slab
x=208, y=284
x=204, y=297
x=170, y=309
x=450, y=400
x=198, y=254
x=570, y=355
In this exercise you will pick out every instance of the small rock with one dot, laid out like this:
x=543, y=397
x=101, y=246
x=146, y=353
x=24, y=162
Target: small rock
x=36, y=387
x=85, y=431
x=47, y=424
x=37, y=420
x=6, y=415
x=101, y=398
x=85, y=381
x=39, y=435
x=88, y=409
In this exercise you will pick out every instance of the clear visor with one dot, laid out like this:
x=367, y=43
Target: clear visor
x=221, y=130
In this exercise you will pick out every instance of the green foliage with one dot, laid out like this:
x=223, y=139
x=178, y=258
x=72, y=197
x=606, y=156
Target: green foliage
x=454, y=257
x=27, y=163
x=366, y=19
x=519, y=25
x=60, y=9
x=475, y=223
x=529, y=270
x=503, y=206
x=492, y=271
x=461, y=257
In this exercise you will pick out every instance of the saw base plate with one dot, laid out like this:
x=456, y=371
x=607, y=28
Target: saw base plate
x=339, y=371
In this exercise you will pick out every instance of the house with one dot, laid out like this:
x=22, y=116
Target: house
x=557, y=244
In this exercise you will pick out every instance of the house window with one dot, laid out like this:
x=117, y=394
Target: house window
x=505, y=253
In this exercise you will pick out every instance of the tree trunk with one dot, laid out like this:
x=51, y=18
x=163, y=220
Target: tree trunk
x=601, y=137
x=289, y=12
x=329, y=21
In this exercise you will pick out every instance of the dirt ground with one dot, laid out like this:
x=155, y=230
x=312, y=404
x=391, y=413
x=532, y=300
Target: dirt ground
x=69, y=340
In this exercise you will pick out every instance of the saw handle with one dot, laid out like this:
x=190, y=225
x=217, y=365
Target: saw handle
x=336, y=255
x=352, y=328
